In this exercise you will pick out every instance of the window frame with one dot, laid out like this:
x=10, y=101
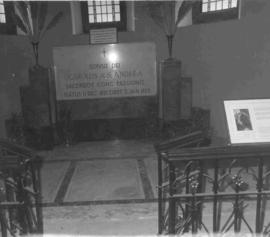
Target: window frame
x=9, y=27
x=121, y=25
x=213, y=16
x=3, y=13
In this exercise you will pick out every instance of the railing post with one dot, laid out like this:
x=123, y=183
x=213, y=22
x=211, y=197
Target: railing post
x=201, y=189
x=10, y=197
x=38, y=199
x=193, y=214
x=236, y=211
x=3, y=220
x=160, y=199
x=259, y=196
x=187, y=207
x=215, y=190
x=22, y=215
x=3, y=223
x=172, y=206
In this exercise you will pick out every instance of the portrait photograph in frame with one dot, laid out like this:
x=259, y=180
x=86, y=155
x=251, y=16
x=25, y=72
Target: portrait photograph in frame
x=248, y=121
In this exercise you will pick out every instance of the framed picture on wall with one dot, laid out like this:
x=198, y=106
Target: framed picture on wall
x=248, y=121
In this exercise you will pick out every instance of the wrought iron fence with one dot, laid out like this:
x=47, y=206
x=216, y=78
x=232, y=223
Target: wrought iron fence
x=20, y=190
x=214, y=189
x=194, y=139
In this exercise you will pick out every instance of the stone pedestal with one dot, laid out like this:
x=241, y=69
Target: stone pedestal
x=169, y=90
x=186, y=97
x=36, y=109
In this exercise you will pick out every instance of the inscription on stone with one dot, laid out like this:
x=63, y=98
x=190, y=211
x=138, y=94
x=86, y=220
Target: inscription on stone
x=103, y=71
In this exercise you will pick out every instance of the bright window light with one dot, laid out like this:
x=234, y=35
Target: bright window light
x=217, y=5
x=2, y=12
x=103, y=11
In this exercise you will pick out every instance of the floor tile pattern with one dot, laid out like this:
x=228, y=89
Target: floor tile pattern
x=120, y=175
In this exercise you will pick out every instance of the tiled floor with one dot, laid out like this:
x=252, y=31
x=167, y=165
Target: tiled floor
x=100, y=188
x=74, y=174
x=112, y=219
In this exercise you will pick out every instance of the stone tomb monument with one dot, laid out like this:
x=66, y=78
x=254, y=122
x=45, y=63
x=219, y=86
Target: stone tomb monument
x=109, y=88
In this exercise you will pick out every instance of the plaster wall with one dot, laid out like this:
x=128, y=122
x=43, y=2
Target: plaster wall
x=227, y=60
x=16, y=55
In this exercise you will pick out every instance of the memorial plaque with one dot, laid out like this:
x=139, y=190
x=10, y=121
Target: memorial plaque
x=105, y=71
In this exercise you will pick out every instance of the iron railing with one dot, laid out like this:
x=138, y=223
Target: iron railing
x=215, y=189
x=20, y=190
x=194, y=139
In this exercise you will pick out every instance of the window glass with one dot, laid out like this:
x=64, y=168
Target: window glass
x=234, y=3
x=217, y=5
x=98, y=18
x=109, y=9
x=225, y=4
x=90, y=10
x=2, y=12
x=106, y=11
x=204, y=7
x=117, y=17
x=110, y=18
x=98, y=9
x=91, y=19
x=116, y=8
x=212, y=6
x=104, y=14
